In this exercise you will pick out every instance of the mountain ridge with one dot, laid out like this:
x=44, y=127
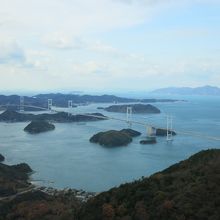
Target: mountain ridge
x=203, y=90
x=61, y=100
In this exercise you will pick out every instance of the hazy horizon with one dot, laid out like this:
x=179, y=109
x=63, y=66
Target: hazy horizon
x=128, y=93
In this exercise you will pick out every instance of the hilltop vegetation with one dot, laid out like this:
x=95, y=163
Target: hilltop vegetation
x=188, y=190
x=13, y=178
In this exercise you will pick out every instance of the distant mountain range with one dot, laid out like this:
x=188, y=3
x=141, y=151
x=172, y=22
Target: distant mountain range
x=205, y=90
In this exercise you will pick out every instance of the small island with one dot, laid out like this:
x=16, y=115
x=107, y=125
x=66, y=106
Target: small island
x=163, y=132
x=150, y=140
x=114, y=138
x=2, y=158
x=136, y=109
x=39, y=126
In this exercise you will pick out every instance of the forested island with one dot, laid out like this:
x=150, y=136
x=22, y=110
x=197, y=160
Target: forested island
x=189, y=189
x=62, y=117
x=39, y=126
x=114, y=138
x=136, y=108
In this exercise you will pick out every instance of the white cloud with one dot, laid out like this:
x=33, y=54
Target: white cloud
x=40, y=60
x=90, y=68
x=14, y=56
x=11, y=52
x=69, y=16
x=103, y=48
x=63, y=41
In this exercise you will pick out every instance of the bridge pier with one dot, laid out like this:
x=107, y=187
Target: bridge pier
x=151, y=132
x=169, y=128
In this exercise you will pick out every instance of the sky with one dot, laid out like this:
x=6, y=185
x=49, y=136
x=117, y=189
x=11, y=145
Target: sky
x=108, y=45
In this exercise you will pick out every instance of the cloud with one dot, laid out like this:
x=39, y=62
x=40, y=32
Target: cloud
x=14, y=56
x=11, y=52
x=156, y=2
x=73, y=17
x=62, y=41
x=90, y=68
x=145, y=2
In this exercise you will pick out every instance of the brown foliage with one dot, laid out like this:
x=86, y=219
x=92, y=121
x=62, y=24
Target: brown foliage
x=140, y=211
x=108, y=211
x=168, y=205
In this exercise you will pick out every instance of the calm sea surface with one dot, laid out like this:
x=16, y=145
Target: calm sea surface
x=65, y=157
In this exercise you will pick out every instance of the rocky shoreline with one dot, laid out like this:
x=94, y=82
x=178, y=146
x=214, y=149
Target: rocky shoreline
x=81, y=195
x=20, y=174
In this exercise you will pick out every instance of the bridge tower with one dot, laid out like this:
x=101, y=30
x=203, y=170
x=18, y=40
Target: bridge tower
x=129, y=116
x=169, y=128
x=49, y=104
x=21, y=104
x=70, y=106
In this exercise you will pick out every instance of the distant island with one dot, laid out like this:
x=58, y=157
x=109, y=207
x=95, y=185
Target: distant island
x=136, y=108
x=39, y=126
x=61, y=100
x=186, y=190
x=205, y=90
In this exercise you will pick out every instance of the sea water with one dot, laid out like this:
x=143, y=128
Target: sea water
x=65, y=157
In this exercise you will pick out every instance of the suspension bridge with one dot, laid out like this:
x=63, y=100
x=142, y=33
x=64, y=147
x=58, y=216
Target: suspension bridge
x=150, y=128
